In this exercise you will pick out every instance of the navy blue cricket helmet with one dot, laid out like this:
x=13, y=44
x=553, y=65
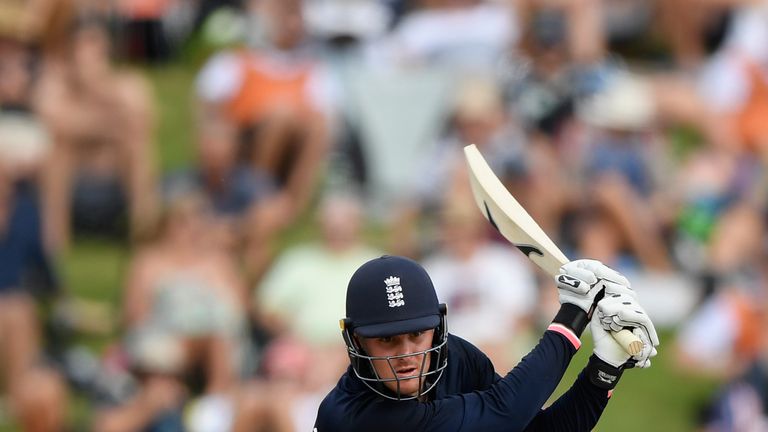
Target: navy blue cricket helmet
x=389, y=296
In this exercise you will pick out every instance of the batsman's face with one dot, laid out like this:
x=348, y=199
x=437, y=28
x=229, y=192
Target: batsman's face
x=407, y=368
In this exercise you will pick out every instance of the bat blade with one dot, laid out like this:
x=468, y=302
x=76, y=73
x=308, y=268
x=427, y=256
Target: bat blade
x=511, y=220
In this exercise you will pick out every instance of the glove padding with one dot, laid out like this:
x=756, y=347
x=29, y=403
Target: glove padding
x=580, y=282
x=619, y=309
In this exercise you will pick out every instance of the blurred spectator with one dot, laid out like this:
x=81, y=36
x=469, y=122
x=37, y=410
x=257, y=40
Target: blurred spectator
x=246, y=208
x=278, y=96
x=184, y=311
x=231, y=188
x=183, y=287
x=285, y=291
x=724, y=335
x=624, y=133
x=489, y=288
x=561, y=56
x=36, y=392
x=726, y=99
x=710, y=181
x=620, y=180
x=102, y=169
x=301, y=300
x=457, y=34
x=741, y=66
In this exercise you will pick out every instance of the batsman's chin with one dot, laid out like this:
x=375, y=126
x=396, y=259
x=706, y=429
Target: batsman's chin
x=405, y=385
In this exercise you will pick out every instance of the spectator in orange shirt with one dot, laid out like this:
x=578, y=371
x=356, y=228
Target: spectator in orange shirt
x=279, y=97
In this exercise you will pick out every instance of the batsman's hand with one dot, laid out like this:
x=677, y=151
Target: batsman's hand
x=619, y=309
x=581, y=281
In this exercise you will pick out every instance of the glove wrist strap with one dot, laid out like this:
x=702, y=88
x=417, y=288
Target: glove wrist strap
x=572, y=317
x=602, y=374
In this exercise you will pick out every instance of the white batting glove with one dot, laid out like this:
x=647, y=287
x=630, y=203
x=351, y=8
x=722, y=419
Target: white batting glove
x=580, y=281
x=619, y=309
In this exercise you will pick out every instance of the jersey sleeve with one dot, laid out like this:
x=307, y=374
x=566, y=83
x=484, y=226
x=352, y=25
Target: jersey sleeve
x=513, y=401
x=578, y=409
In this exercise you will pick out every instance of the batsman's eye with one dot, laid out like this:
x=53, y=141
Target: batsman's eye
x=386, y=339
x=416, y=334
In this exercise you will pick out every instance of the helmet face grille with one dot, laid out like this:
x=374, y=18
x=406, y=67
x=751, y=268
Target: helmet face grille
x=364, y=369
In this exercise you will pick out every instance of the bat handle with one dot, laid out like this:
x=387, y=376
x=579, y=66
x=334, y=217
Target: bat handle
x=631, y=343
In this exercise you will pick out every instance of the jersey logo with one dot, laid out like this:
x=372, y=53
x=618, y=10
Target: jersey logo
x=394, y=292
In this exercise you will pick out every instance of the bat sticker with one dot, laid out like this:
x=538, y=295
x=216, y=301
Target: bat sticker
x=489, y=217
x=524, y=248
x=528, y=250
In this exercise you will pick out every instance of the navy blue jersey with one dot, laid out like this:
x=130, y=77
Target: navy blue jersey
x=472, y=397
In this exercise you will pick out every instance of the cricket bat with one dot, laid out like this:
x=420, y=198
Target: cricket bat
x=510, y=218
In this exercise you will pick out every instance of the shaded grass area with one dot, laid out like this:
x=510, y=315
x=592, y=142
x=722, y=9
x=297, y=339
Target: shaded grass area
x=174, y=114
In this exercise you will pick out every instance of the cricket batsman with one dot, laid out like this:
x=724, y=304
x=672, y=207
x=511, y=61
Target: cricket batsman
x=408, y=373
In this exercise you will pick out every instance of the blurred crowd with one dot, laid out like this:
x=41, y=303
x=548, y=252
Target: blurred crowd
x=635, y=132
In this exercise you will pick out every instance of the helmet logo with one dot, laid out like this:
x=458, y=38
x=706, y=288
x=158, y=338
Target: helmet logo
x=394, y=292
